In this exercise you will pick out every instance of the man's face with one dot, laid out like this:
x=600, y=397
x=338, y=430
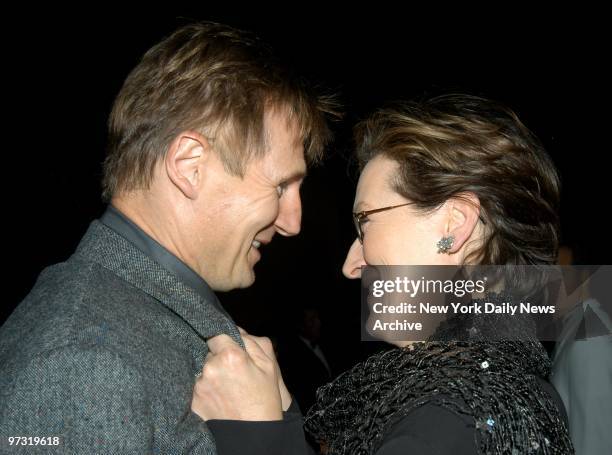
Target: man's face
x=246, y=213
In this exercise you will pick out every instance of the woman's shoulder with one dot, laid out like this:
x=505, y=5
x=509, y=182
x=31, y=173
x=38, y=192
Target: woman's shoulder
x=552, y=393
x=468, y=397
x=444, y=424
x=431, y=428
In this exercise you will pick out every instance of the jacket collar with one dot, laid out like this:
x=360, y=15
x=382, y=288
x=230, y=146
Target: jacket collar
x=106, y=247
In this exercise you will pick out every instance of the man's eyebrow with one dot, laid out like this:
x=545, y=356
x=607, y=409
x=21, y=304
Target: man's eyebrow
x=298, y=175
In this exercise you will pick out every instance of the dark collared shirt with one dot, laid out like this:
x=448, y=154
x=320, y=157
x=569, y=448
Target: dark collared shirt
x=125, y=227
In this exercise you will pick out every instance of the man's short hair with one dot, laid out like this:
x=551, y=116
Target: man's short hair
x=213, y=79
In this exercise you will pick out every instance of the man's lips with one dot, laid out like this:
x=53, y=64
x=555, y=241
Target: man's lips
x=257, y=243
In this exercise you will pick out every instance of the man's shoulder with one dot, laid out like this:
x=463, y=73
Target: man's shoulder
x=71, y=303
x=69, y=287
x=75, y=277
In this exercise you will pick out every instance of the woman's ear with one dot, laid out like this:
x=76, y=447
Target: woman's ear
x=185, y=162
x=463, y=215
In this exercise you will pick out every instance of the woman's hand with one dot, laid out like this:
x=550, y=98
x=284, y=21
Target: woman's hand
x=238, y=384
x=266, y=345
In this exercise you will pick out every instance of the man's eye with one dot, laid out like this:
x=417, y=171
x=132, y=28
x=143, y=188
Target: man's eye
x=280, y=189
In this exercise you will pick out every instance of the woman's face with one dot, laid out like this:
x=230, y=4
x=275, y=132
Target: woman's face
x=400, y=236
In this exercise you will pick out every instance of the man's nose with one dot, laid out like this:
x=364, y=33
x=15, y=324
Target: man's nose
x=289, y=220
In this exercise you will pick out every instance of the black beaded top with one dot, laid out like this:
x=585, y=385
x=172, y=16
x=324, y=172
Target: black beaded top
x=495, y=382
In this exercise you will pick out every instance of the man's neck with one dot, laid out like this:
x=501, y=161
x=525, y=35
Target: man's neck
x=147, y=217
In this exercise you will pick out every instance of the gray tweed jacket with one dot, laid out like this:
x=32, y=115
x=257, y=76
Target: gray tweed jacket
x=103, y=353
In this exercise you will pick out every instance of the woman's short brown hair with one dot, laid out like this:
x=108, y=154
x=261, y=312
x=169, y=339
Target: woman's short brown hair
x=454, y=144
x=213, y=79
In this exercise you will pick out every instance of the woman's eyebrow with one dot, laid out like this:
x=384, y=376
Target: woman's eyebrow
x=361, y=207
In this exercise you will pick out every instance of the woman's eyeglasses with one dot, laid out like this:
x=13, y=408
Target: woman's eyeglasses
x=361, y=217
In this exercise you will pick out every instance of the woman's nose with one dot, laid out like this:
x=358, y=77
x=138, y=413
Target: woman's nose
x=354, y=261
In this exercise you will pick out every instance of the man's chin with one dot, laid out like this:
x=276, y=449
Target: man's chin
x=247, y=280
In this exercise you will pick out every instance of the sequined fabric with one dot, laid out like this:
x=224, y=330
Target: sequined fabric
x=495, y=382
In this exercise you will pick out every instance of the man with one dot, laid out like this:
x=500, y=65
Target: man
x=209, y=140
x=582, y=365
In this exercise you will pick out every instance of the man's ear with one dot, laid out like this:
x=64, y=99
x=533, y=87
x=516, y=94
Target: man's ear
x=185, y=162
x=463, y=216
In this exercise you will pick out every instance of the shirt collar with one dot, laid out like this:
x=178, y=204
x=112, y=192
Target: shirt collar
x=129, y=230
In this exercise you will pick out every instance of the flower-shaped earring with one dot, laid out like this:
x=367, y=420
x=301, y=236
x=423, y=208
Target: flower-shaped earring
x=445, y=244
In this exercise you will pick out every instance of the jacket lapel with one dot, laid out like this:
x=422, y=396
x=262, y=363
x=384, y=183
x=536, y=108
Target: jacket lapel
x=107, y=248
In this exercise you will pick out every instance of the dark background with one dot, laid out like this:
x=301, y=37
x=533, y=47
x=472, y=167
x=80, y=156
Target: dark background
x=62, y=70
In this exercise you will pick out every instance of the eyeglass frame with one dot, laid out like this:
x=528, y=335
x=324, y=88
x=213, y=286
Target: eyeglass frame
x=358, y=217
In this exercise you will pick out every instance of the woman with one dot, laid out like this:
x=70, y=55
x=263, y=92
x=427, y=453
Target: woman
x=451, y=181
